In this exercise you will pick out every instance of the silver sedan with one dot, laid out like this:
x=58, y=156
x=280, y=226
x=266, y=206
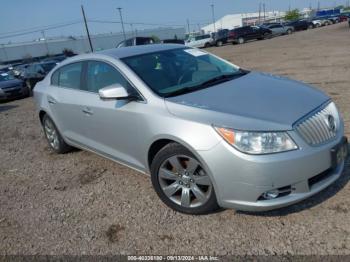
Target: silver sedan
x=209, y=133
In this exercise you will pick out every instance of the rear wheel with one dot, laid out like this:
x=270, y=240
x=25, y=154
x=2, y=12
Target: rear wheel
x=241, y=40
x=219, y=43
x=289, y=31
x=181, y=181
x=54, y=137
x=207, y=45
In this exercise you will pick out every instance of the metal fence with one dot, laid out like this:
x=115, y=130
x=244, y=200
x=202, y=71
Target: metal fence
x=13, y=52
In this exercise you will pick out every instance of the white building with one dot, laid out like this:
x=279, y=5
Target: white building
x=238, y=20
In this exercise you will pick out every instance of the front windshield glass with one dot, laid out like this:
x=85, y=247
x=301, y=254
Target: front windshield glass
x=6, y=77
x=173, y=71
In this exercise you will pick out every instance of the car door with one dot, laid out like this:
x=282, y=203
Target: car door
x=199, y=41
x=111, y=126
x=64, y=100
x=254, y=32
x=278, y=30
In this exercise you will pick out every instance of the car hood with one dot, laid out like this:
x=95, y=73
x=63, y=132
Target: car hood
x=255, y=101
x=10, y=83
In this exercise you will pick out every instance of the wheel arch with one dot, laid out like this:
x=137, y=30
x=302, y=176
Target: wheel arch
x=42, y=113
x=161, y=142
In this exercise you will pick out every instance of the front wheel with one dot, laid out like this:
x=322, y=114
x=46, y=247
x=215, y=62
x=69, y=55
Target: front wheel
x=207, y=45
x=289, y=32
x=181, y=181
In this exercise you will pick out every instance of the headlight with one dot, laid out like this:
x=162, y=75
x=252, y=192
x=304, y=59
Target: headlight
x=257, y=142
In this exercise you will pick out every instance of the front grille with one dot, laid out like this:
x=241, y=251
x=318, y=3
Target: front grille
x=317, y=129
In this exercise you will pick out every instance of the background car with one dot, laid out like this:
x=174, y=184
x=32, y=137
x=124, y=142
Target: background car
x=173, y=41
x=136, y=41
x=220, y=37
x=242, y=34
x=318, y=22
x=299, y=25
x=11, y=87
x=280, y=29
x=200, y=41
x=36, y=72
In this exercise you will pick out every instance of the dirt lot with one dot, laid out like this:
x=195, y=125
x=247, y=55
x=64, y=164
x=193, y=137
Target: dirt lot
x=79, y=203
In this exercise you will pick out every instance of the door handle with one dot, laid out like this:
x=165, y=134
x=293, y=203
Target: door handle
x=87, y=111
x=51, y=100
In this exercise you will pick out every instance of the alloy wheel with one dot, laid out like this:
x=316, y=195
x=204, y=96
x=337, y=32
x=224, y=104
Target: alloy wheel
x=51, y=134
x=184, y=181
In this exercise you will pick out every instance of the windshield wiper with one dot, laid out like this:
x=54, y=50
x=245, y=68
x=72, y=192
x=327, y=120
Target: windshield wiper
x=205, y=84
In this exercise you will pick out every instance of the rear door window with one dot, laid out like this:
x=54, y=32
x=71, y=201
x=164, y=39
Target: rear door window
x=70, y=76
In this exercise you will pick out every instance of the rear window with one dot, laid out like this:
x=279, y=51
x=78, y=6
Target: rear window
x=48, y=67
x=68, y=76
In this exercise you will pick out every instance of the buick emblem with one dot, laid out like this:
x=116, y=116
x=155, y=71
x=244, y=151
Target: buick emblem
x=330, y=121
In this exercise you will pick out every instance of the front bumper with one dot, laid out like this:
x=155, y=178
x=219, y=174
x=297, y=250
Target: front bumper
x=13, y=93
x=240, y=179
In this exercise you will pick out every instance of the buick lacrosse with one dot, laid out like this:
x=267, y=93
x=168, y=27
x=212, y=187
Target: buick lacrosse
x=209, y=133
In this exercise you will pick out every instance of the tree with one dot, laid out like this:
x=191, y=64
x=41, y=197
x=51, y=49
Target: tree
x=292, y=15
x=68, y=52
x=27, y=58
x=155, y=38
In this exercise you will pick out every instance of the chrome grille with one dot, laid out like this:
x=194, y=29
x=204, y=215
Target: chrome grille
x=320, y=127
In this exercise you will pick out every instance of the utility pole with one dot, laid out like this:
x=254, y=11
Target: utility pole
x=87, y=29
x=132, y=29
x=212, y=11
x=259, y=13
x=46, y=45
x=264, y=12
x=5, y=53
x=188, y=26
x=121, y=20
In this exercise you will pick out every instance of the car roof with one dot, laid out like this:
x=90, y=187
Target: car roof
x=138, y=50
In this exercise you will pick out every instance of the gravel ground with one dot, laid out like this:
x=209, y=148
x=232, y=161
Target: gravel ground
x=80, y=203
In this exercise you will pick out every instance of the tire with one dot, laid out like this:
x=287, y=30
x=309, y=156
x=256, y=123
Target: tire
x=266, y=36
x=241, y=40
x=174, y=185
x=54, y=137
x=289, y=31
x=219, y=43
x=206, y=45
x=30, y=86
x=310, y=27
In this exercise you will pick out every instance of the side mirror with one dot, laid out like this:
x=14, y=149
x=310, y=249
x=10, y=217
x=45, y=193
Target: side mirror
x=115, y=91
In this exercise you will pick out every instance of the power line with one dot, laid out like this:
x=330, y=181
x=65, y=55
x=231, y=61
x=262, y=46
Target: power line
x=39, y=30
x=39, y=27
x=128, y=23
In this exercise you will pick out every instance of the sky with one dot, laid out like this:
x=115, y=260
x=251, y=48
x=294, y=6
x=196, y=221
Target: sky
x=19, y=16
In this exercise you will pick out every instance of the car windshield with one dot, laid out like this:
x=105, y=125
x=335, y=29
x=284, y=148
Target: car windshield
x=178, y=71
x=6, y=77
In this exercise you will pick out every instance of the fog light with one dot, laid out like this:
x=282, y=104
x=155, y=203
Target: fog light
x=270, y=194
